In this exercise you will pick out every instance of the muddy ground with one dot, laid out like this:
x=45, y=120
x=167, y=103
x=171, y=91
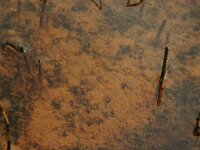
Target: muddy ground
x=99, y=75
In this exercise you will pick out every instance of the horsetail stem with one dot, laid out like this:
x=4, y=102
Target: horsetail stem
x=162, y=76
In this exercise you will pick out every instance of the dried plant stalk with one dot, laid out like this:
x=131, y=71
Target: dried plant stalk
x=7, y=124
x=15, y=45
x=162, y=76
x=134, y=4
x=19, y=48
x=100, y=4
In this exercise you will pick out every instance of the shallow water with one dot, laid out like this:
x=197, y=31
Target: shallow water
x=99, y=75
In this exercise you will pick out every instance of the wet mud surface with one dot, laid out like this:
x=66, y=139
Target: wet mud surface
x=99, y=74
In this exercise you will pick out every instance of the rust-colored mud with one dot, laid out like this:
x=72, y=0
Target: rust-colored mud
x=99, y=75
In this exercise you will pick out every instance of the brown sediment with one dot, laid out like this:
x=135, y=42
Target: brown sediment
x=42, y=16
x=162, y=76
x=134, y=4
x=116, y=86
x=6, y=121
x=160, y=30
x=100, y=4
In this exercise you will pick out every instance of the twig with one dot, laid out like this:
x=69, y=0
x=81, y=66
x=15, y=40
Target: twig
x=99, y=6
x=6, y=121
x=162, y=76
x=160, y=30
x=134, y=4
x=15, y=45
x=20, y=49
